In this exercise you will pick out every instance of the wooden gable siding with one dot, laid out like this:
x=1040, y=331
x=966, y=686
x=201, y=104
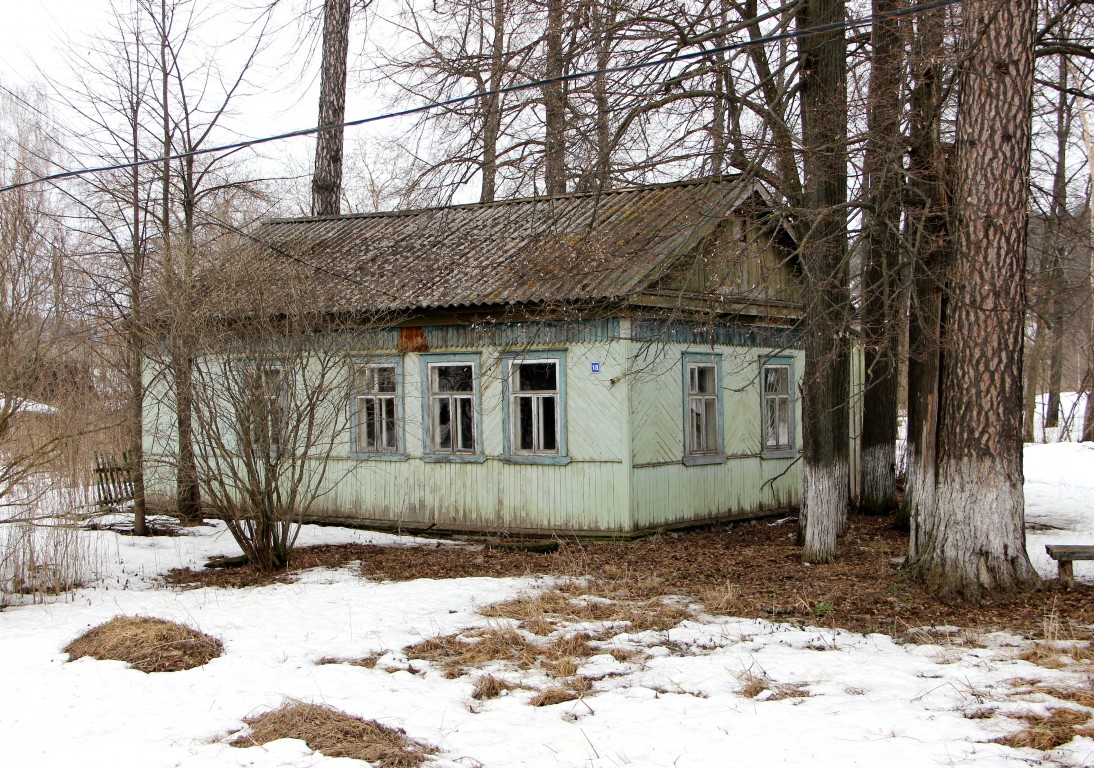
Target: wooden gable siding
x=738, y=261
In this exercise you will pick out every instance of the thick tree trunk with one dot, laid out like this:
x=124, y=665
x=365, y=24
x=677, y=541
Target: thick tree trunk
x=884, y=171
x=491, y=107
x=929, y=232
x=554, y=103
x=824, y=259
x=976, y=540
x=326, y=186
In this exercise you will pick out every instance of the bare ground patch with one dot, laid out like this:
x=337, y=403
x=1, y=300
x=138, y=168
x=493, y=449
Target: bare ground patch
x=147, y=644
x=336, y=734
x=751, y=569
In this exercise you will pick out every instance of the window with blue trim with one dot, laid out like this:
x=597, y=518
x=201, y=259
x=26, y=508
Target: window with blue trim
x=703, y=390
x=452, y=390
x=534, y=407
x=377, y=411
x=778, y=410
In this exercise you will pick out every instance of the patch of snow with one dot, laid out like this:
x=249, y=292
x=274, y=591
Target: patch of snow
x=871, y=700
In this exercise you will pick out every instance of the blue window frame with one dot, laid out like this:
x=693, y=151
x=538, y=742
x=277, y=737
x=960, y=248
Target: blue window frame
x=703, y=428
x=451, y=407
x=376, y=409
x=778, y=435
x=534, y=407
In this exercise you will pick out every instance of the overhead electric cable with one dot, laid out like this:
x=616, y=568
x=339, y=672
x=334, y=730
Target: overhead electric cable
x=421, y=108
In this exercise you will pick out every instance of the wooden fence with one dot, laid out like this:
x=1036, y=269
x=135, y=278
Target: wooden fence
x=113, y=483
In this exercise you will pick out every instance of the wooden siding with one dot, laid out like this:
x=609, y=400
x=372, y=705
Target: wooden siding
x=664, y=490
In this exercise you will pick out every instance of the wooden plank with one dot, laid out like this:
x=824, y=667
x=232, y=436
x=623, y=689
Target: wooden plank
x=1070, y=551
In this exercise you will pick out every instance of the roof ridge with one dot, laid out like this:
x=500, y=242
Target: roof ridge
x=721, y=179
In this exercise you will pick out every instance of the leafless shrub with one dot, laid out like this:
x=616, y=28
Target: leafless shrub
x=336, y=734
x=147, y=644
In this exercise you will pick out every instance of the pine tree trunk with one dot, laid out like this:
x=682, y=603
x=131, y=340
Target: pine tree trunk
x=976, y=540
x=824, y=258
x=491, y=107
x=884, y=174
x=554, y=103
x=326, y=187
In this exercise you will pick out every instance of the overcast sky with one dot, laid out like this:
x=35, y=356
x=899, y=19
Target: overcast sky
x=38, y=37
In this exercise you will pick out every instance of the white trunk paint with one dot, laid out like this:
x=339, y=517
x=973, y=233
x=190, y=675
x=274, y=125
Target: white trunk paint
x=824, y=504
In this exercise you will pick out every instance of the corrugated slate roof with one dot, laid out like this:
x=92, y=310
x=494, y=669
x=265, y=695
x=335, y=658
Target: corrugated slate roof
x=548, y=249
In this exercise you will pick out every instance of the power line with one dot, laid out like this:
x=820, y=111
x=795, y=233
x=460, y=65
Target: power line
x=422, y=108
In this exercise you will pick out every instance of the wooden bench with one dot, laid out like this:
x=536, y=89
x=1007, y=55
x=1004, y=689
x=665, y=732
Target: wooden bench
x=1065, y=555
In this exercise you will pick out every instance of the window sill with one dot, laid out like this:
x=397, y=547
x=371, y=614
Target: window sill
x=704, y=459
x=357, y=456
x=521, y=458
x=790, y=453
x=454, y=458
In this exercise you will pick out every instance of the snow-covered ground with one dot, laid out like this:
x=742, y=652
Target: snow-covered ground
x=872, y=701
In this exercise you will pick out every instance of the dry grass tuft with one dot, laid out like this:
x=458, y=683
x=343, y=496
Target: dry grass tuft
x=553, y=696
x=368, y=662
x=753, y=685
x=597, y=601
x=336, y=734
x=490, y=687
x=1056, y=655
x=1045, y=733
x=147, y=644
x=456, y=653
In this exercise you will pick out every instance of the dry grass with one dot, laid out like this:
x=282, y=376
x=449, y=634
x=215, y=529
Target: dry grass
x=336, y=734
x=1057, y=655
x=368, y=662
x=456, y=653
x=553, y=696
x=752, y=685
x=1046, y=732
x=147, y=644
x=577, y=602
x=490, y=687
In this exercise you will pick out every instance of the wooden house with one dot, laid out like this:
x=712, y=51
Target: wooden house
x=586, y=364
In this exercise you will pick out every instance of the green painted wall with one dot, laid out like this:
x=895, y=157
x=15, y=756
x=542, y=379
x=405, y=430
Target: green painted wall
x=667, y=492
x=625, y=440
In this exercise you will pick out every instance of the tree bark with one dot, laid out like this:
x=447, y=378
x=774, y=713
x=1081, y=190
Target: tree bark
x=326, y=185
x=554, y=103
x=824, y=259
x=976, y=539
x=491, y=107
x=884, y=171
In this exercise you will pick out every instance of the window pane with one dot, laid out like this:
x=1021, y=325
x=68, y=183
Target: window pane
x=784, y=422
x=453, y=378
x=467, y=424
x=368, y=416
x=710, y=417
x=548, y=439
x=777, y=380
x=771, y=421
x=703, y=379
x=385, y=378
x=696, y=414
x=525, y=438
x=442, y=423
x=535, y=377
x=390, y=441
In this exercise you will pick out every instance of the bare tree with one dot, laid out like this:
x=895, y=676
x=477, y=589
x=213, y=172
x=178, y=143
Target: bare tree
x=269, y=389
